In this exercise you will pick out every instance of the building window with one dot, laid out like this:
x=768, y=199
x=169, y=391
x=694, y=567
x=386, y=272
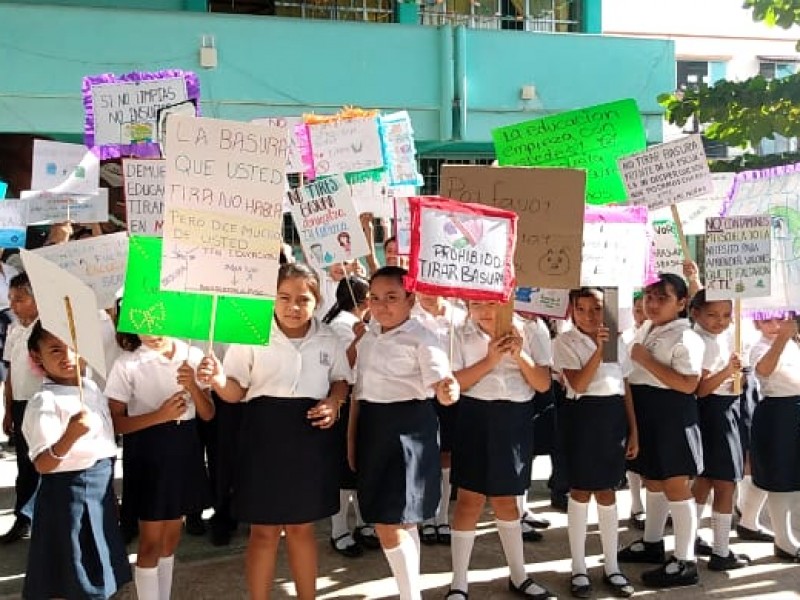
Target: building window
x=691, y=73
x=776, y=70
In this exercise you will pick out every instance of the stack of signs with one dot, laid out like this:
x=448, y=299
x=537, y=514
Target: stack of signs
x=144, y=195
x=461, y=250
x=346, y=146
x=223, y=208
x=590, y=138
x=398, y=149
x=326, y=219
x=615, y=247
x=738, y=257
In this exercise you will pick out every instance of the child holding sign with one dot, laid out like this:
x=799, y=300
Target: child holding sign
x=76, y=545
x=493, y=443
x=600, y=433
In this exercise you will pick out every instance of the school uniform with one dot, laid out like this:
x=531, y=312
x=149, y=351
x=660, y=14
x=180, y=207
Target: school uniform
x=667, y=420
x=165, y=467
x=545, y=429
x=594, y=422
x=76, y=547
x=719, y=413
x=775, y=436
x=493, y=443
x=397, y=448
x=288, y=470
x=342, y=325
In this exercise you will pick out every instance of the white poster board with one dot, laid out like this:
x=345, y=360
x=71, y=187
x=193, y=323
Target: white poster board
x=614, y=254
x=542, y=302
x=346, y=146
x=667, y=253
x=47, y=207
x=13, y=223
x=738, y=257
x=402, y=225
x=64, y=168
x=144, y=195
x=695, y=212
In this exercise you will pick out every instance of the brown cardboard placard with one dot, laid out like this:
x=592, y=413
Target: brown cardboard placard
x=504, y=316
x=611, y=321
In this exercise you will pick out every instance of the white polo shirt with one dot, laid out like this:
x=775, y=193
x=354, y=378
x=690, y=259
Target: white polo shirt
x=440, y=326
x=673, y=344
x=717, y=354
x=290, y=368
x=573, y=349
x=342, y=326
x=785, y=379
x=24, y=381
x=538, y=336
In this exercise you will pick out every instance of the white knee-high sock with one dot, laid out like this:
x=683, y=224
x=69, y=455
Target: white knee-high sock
x=577, y=518
x=443, y=511
x=146, y=579
x=522, y=504
x=657, y=510
x=701, y=509
x=721, y=526
x=608, y=523
x=635, y=486
x=751, y=501
x=357, y=510
x=779, y=505
x=165, y=566
x=511, y=539
x=404, y=562
x=414, y=533
x=339, y=520
x=684, y=522
x=461, y=543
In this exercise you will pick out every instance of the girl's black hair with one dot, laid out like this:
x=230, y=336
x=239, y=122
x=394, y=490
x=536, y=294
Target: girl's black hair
x=584, y=292
x=351, y=292
x=21, y=282
x=678, y=285
x=129, y=342
x=398, y=274
x=38, y=333
x=301, y=271
x=699, y=300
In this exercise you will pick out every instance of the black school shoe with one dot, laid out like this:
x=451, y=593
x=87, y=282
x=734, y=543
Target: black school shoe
x=619, y=585
x=522, y=590
x=787, y=556
x=728, y=563
x=753, y=535
x=673, y=573
x=643, y=552
x=702, y=547
x=637, y=520
x=581, y=586
x=350, y=550
x=20, y=530
x=366, y=536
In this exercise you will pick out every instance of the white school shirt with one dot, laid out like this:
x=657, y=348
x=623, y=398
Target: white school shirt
x=673, y=344
x=399, y=365
x=440, y=325
x=505, y=380
x=538, y=334
x=24, y=381
x=47, y=416
x=785, y=379
x=573, y=349
x=6, y=276
x=144, y=379
x=342, y=325
x=290, y=367
x=717, y=354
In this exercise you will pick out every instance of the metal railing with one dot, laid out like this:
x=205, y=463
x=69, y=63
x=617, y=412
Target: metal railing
x=378, y=11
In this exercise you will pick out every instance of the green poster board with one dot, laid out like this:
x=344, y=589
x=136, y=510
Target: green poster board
x=146, y=309
x=590, y=138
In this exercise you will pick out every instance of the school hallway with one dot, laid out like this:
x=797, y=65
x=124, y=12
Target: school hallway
x=204, y=572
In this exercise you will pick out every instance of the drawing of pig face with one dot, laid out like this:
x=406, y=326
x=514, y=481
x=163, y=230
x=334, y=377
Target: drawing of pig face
x=554, y=262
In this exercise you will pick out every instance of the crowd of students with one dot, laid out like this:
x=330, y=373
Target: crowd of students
x=375, y=400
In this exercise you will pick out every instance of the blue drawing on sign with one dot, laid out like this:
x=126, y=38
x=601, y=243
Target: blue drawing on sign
x=328, y=257
x=51, y=168
x=524, y=294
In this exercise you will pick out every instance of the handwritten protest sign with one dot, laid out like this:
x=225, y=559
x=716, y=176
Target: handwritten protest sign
x=668, y=173
x=542, y=302
x=346, y=146
x=223, y=206
x=13, y=223
x=144, y=195
x=64, y=168
x=738, y=254
x=330, y=230
x=694, y=212
x=461, y=250
x=149, y=310
x=590, y=138
x=615, y=246
x=299, y=157
x=550, y=205
x=402, y=225
x=667, y=254
x=399, y=151
x=99, y=262
x=47, y=207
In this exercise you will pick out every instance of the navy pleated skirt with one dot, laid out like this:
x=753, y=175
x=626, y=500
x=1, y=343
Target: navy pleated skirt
x=289, y=470
x=596, y=433
x=76, y=546
x=545, y=423
x=723, y=457
x=775, y=444
x=397, y=456
x=167, y=471
x=448, y=417
x=347, y=477
x=492, y=447
x=669, y=434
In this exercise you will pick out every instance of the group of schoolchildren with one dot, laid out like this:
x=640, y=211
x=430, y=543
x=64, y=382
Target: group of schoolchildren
x=375, y=400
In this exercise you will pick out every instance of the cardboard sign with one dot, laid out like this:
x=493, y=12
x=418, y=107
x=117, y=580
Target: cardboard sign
x=13, y=223
x=550, y=205
x=695, y=212
x=64, y=168
x=590, y=138
x=542, y=302
x=667, y=254
x=299, y=157
x=346, y=146
x=51, y=285
x=329, y=227
x=615, y=246
x=99, y=262
x=668, y=173
x=738, y=257
x=611, y=321
x=399, y=151
x=47, y=207
x=461, y=250
x=144, y=195
x=223, y=206
x=402, y=225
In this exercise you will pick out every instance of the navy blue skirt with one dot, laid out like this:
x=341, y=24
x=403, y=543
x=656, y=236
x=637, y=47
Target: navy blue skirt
x=492, y=447
x=288, y=469
x=596, y=434
x=723, y=457
x=545, y=423
x=398, y=473
x=347, y=477
x=167, y=471
x=775, y=444
x=76, y=546
x=669, y=434
x=448, y=417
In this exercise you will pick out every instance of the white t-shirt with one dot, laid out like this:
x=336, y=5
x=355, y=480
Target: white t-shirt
x=290, y=368
x=573, y=349
x=24, y=381
x=718, y=350
x=440, y=325
x=538, y=336
x=785, y=379
x=47, y=416
x=673, y=344
x=144, y=379
x=399, y=365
